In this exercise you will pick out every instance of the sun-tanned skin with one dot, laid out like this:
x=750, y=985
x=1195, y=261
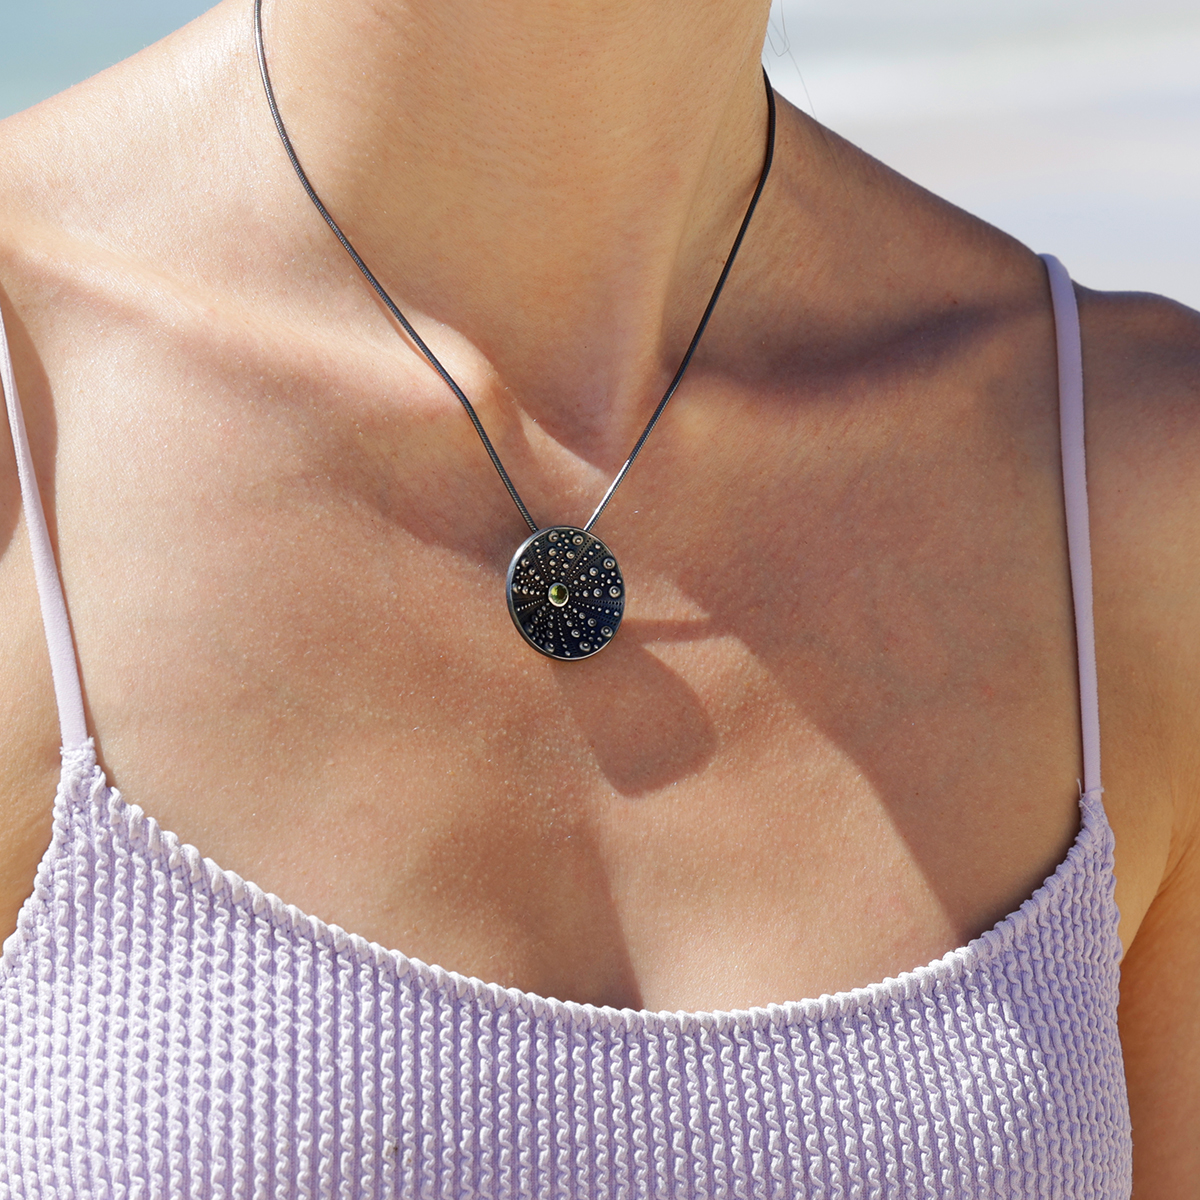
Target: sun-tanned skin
x=838, y=732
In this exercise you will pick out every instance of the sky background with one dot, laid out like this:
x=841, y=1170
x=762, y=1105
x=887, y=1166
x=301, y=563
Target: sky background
x=1073, y=124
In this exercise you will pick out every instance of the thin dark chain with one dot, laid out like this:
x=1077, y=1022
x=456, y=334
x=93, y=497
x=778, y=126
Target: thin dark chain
x=708, y=312
x=432, y=358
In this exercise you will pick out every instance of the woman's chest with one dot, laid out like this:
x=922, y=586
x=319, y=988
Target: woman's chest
x=823, y=746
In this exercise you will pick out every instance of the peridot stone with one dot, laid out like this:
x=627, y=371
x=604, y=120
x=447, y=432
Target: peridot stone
x=558, y=595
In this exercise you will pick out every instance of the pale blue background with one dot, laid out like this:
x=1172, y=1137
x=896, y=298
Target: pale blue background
x=47, y=45
x=1073, y=124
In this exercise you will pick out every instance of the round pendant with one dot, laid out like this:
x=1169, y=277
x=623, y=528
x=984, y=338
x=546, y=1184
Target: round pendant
x=565, y=593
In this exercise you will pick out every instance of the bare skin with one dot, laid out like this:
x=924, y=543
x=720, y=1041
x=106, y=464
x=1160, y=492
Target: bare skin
x=842, y=711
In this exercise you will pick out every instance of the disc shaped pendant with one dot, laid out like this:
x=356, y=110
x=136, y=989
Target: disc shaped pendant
x=565, y=592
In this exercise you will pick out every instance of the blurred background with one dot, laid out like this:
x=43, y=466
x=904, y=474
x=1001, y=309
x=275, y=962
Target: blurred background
x=1072, y=124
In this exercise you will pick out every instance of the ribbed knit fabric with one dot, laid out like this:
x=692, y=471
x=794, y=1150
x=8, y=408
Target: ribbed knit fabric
x=172, y=1031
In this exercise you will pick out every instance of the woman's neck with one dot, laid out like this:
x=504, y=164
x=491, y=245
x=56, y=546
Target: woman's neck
x=558, y=182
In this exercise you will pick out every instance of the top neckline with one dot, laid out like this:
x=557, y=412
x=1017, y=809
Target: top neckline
x=83, y=782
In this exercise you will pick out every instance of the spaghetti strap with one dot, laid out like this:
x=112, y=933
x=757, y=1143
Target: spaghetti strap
x=67, y=691
x=1079, y=547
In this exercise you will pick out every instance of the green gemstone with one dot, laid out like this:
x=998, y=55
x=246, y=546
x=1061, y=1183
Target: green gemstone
x=558, y=595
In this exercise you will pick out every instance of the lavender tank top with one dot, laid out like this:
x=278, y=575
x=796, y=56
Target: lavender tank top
x=168, y=1029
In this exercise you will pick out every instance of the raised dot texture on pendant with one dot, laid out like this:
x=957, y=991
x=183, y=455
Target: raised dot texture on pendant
x=557, y=599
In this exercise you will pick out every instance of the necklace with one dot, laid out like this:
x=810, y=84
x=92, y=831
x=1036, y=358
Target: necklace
x=565, y=592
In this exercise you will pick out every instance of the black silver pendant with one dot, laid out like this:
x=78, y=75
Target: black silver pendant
x=565, y=593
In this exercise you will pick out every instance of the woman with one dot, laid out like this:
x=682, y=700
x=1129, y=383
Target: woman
x=837, y=734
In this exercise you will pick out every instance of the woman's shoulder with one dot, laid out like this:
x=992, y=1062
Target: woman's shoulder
x=102, y=165
x=1142, y=373
x=1149, y=345
x=1141, y=368
x=1142, y=388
